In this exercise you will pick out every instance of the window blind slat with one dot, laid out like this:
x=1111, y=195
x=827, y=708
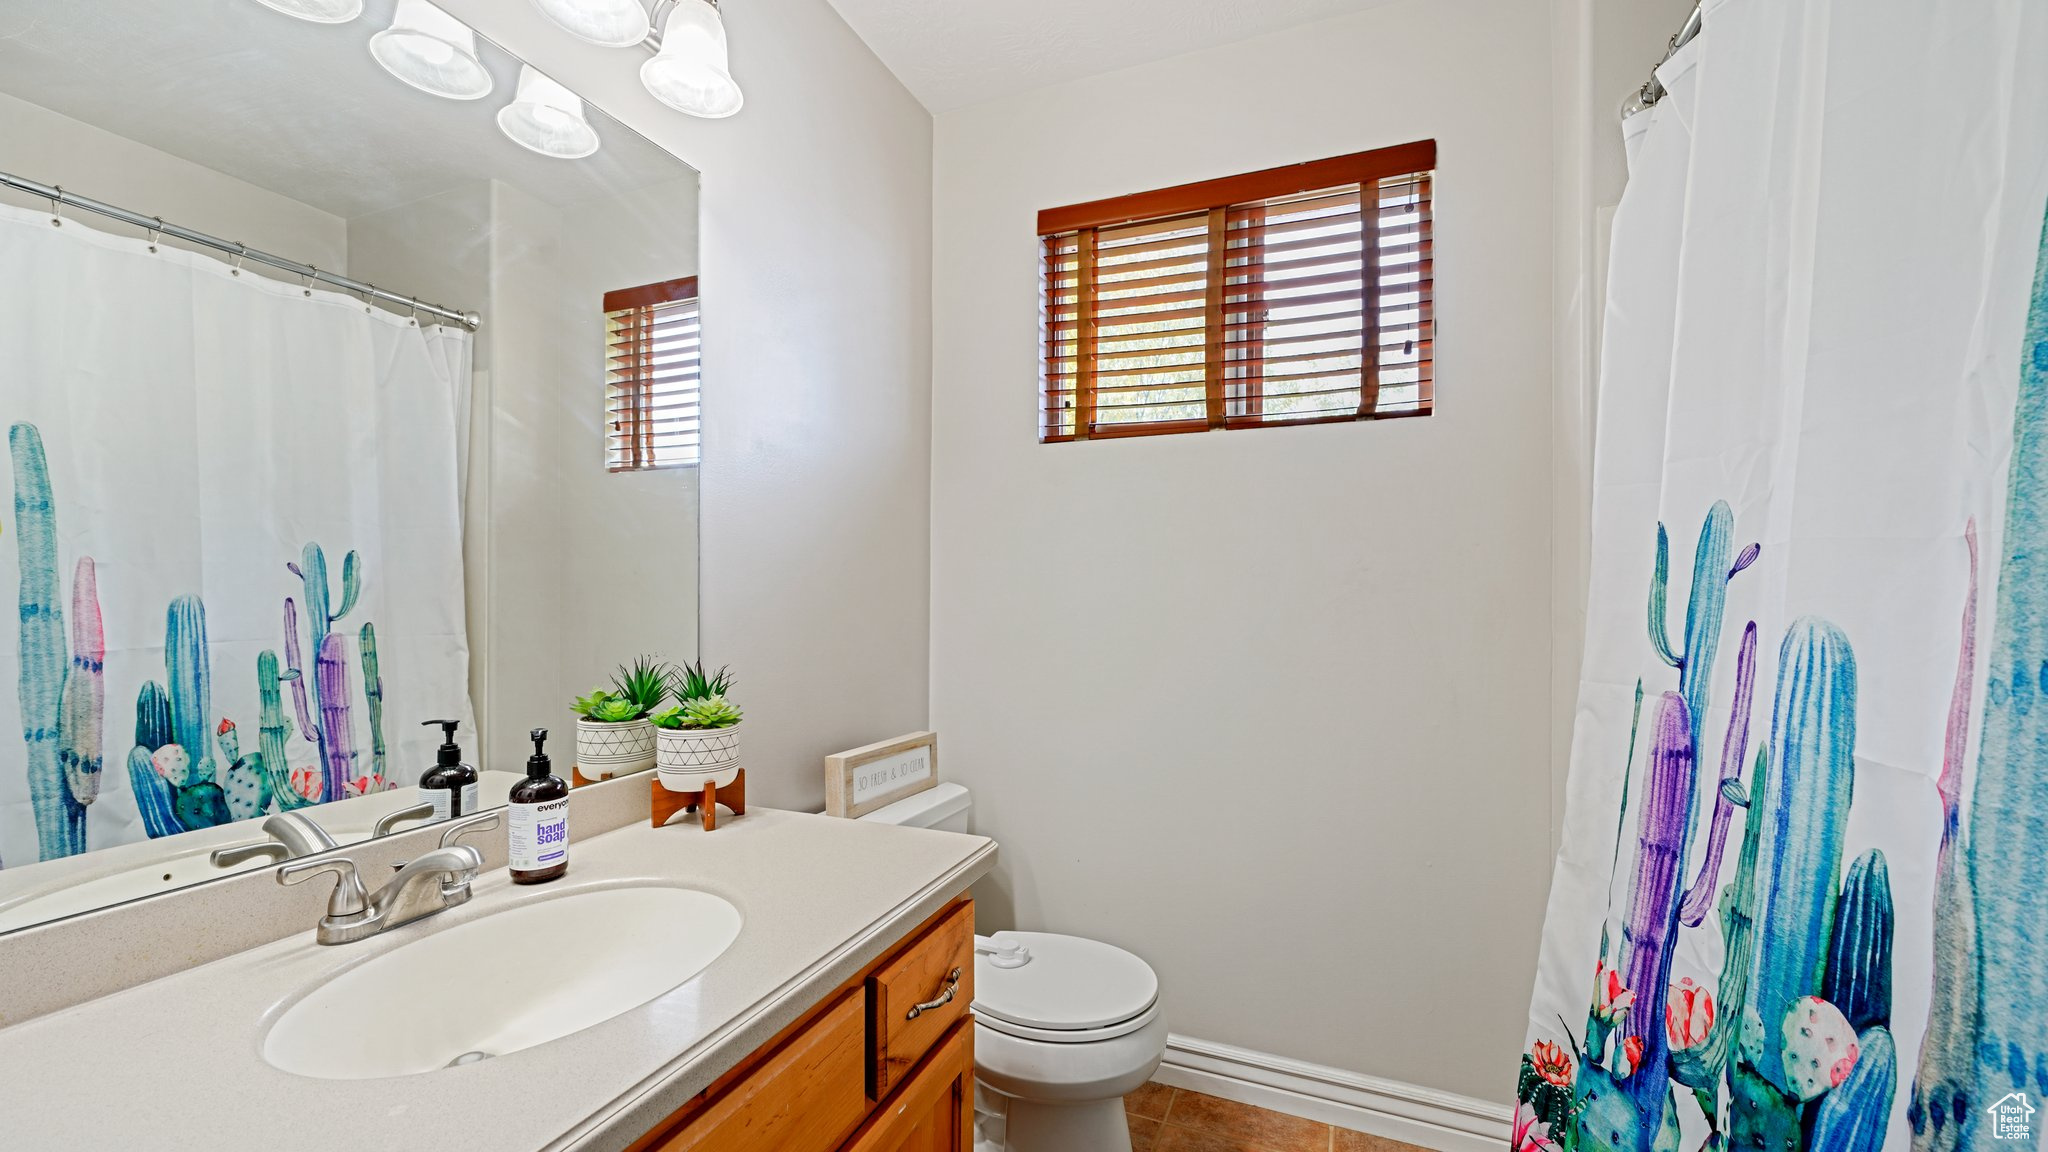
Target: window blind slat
x=1307, y=306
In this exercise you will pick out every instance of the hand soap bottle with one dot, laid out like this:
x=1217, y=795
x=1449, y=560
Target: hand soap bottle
x=450, y=785
x=539, y=829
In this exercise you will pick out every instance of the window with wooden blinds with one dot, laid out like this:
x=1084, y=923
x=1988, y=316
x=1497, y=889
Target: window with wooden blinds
x=651, y=381
x=1298, y=295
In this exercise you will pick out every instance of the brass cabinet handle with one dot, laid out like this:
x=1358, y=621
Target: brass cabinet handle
x=945, y=997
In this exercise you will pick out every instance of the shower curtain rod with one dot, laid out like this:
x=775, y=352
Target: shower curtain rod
x=156, y=226
x=1653, y=89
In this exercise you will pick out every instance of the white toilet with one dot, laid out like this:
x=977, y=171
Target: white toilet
x=1063, y=1027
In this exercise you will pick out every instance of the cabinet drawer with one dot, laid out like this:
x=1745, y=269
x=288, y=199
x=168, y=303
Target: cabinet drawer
x=804, y=1098
x=938, y=967
x=934, y=1110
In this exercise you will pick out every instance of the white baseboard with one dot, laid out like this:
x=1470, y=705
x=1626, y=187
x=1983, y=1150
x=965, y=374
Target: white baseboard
x=1410, y=1113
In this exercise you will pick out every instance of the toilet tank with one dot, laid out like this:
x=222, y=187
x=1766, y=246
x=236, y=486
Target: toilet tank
x=943, y=806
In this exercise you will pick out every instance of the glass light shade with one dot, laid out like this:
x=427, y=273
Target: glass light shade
x=432, y=51
x=547, y=118
x=318, y=11
x=611, y=23
x=690, y=73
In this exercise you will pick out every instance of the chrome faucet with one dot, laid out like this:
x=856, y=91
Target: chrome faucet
x=290, y=835
x=433, y=883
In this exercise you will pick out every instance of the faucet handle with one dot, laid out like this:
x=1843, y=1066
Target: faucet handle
x=483, y=823
x=242, y=853
x=393, y=819
x=348, y=897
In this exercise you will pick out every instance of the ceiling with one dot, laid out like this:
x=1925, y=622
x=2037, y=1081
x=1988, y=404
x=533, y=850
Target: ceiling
x=297, y=108
x=954, y=53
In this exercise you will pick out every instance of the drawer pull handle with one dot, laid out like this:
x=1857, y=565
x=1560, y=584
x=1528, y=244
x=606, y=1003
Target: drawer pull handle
x=945, y=997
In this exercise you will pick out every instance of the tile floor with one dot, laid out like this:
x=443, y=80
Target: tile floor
x=1167, y=1119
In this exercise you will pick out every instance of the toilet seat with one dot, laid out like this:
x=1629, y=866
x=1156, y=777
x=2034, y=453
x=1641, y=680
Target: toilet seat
x=1073, y=991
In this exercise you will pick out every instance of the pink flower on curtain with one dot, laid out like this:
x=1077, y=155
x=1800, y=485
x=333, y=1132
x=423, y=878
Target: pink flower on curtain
x=1688, y=1015
x=1530, y=1134
x=306, y=782
x=1610, y=998
x=1552, y=1063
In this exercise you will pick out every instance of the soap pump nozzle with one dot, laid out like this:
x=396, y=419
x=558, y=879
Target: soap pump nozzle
x=538, y=764
x=449, y=754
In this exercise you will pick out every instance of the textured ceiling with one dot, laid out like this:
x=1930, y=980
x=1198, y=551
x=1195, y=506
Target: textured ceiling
x=300, y=109
x=953, y=53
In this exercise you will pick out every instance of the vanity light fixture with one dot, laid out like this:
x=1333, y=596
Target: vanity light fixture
x=547, y=118
x=607, y=23
x=318, y=11
x=432, y=51
x=691, y=72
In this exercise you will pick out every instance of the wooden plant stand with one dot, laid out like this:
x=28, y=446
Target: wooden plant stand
x=667, y=803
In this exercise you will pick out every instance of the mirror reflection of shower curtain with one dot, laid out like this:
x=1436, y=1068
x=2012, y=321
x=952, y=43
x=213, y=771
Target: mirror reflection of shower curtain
x=1802, y=888
x=247, y=495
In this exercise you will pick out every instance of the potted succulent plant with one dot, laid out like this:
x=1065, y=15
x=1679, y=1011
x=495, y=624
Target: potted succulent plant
x=698, y=738
x=613, y=733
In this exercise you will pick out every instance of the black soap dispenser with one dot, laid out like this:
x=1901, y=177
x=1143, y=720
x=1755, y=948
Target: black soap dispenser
x=450, y=785
x=538, y=831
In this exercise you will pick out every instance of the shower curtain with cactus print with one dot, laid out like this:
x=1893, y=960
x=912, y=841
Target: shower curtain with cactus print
x=1801, y=896
x=234, y=539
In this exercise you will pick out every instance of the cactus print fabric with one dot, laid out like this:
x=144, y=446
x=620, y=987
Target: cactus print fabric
x=1801, y=898
x=234, y=540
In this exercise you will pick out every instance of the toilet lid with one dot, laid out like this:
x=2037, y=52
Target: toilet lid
x=1071, y=984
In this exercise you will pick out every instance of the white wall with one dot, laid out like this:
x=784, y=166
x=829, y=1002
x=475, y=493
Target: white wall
x=1271, y=708
x=55, y=149
x=816, y=267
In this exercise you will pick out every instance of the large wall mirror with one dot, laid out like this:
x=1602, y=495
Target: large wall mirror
x=349, y=372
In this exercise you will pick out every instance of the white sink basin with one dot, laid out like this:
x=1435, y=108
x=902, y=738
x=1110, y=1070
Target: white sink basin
x=508, y=981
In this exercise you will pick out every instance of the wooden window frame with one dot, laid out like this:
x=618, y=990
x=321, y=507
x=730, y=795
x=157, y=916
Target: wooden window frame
x=636, y=436
x=1232, y=198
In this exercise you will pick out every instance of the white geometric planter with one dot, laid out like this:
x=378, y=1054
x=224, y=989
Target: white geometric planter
x=689, y=758
x=614, y=749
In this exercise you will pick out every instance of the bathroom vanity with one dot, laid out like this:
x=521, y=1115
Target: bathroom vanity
x=799, y=1035
x=884, y=1062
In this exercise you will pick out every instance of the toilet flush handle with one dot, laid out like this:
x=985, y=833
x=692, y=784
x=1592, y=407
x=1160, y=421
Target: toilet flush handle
x=1002, y=953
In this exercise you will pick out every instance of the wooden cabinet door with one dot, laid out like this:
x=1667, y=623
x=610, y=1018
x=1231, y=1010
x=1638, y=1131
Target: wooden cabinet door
x=933, y=1111
x=804, y=1098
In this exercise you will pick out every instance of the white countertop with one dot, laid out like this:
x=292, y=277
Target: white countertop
x=176, y=1063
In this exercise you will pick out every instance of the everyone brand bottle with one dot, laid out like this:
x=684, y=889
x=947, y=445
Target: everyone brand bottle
x=450, y=785
x=539, y=828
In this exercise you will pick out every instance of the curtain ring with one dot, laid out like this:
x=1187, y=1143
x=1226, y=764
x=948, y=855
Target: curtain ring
x=235, y=265
x=155, y=232
x=57, y=207
x=306, y=281
x=363, y=294
x=415, y=320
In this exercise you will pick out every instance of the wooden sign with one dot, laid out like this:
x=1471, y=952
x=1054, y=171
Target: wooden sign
x=864, y=779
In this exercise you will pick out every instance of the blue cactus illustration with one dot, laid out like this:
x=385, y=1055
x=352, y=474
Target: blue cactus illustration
x=153, y=793
x=1813, y=738
x=1987, y=1034
x=190, y=682
x=60, y=816
x=1853, y=1116
x=274, y=729
x=1859, y=964
x=373, y=693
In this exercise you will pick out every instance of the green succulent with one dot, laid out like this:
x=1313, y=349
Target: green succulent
x=709, y=712
x=690, y=681
x=643, y=685
x=606, y=707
